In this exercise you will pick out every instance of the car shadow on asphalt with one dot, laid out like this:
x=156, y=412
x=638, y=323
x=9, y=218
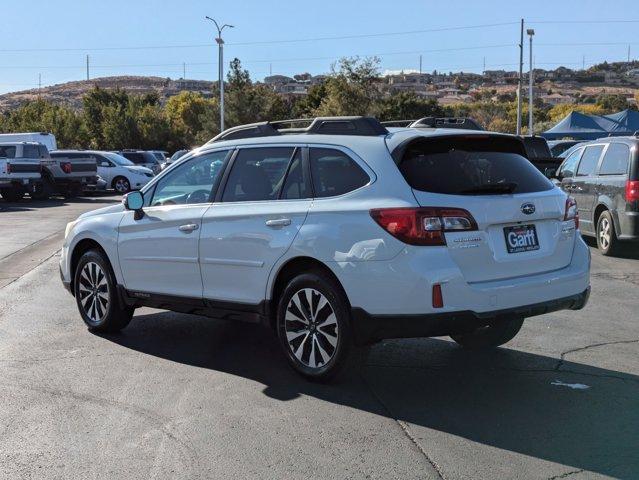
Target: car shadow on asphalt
x=504, y=398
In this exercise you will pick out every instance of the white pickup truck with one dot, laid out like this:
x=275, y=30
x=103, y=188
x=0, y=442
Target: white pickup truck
x=27, y=167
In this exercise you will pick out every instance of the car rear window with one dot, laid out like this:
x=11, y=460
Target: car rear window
x=471, y=166
x=615, y=161
x=537, y=147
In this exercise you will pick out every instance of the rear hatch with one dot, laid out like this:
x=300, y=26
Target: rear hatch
x=518, y=212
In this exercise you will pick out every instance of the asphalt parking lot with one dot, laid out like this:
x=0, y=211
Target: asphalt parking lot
x=178, y=396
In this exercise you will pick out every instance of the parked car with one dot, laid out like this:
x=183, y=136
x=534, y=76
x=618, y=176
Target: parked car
x=29, y=168
x=19, y=169
x=119, y=173
x=603, y=176
x=160, y=155
x=44, y=138
x=539, y=154
x=559, y=147
x=142, y=158
x=339, y=234
x=176, y=156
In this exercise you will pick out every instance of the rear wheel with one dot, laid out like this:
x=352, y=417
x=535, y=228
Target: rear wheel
x=607, y=240
x=490, y=336
x=96, y=294
x=313, y=325
x=121, y=185
x=12, y=194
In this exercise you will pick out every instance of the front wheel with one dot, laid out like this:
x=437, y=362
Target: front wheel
x=313, y=325
x=121, y=185
x=490, y=336
x=96, y=294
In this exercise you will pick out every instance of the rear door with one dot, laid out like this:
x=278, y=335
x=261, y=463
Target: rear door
x=584, y=185
x=519, y=213
x=263, y=206
x=612, y=176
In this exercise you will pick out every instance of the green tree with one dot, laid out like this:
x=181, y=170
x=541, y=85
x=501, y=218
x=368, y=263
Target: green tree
x=407, y=105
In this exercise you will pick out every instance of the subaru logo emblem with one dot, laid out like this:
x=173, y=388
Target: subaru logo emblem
x=528, y=208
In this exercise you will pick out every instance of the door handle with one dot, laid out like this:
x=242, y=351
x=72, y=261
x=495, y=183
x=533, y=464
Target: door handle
x=188, y=228
x=280, y=222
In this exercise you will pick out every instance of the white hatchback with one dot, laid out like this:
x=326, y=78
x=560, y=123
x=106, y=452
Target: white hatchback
x=337, y=234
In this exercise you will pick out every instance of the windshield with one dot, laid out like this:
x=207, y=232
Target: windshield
x=118, y=159
x=470, y=167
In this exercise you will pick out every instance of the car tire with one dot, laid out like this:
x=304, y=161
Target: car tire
x=313, y=325
x=607, y=241
x=11, y=194
x=42, y=190
x=490, y=336
x=121, y=185
x=96, y=294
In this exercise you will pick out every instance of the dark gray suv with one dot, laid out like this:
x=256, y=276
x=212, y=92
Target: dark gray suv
x=603, y=176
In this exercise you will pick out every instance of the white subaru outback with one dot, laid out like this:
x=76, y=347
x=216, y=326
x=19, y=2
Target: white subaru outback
x=336, y=234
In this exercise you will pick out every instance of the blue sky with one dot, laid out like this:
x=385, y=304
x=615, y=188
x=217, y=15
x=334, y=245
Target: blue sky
x=85, y=27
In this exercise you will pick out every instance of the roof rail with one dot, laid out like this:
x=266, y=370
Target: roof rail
x=362, y=126
x=463, y=123
x=397, y=123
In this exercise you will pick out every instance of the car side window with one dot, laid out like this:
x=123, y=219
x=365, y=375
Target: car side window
x=615, y=161
x=44, y=153
x=569, y=166
x=335, y=173
x=191, y=182
x=257, y=174
x=589, y=160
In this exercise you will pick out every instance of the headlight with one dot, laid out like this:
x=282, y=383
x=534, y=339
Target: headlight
x=70, y=226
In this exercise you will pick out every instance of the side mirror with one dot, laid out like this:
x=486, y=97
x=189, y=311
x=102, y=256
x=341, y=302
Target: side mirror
x=550, y=172
x=134, y=201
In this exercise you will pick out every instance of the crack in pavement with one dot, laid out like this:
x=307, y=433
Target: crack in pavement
x=593, y=345
x=405, y=430
x=567, y=474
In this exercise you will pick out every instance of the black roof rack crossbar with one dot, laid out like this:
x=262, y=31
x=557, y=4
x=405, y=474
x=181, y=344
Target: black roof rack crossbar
x=397, y=123
x=362, y=126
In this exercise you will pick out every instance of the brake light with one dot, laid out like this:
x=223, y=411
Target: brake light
x=632, y=190
x=423, y=226
x=66, y=167
x=438, y=299
x=572, y=212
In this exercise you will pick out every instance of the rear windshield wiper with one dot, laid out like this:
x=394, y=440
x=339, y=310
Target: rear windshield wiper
x=488, y=188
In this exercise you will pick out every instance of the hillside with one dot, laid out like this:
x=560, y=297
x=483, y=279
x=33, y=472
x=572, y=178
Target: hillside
x=71, y=93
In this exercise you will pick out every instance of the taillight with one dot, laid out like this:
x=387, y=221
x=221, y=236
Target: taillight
x=423, y=226
x=66, y=167
x=572, y=213
x=632, y=190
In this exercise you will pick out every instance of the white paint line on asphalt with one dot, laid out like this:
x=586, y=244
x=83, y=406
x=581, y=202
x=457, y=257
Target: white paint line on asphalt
x=574, y=386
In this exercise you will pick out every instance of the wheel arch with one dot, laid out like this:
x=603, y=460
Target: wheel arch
x=80, y=249
x=119, y=175
x=289, y=270
x=599, y=209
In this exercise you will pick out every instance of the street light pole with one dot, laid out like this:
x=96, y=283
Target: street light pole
x=220, y=45
x=521, y=80
x=531, y=131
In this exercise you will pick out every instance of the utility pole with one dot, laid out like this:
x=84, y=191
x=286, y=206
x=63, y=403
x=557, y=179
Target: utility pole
x=530, y=33
x=583, y=62
x=220, y=44
x=521, y=73
x=420, y=64
x=270, y=69
x=39, y=84
x=628, y=53
x=87, y=67
x=184, y=70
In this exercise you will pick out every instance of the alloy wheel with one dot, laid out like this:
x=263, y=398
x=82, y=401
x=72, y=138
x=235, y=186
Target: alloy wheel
x=604, y=233
x=311, y=328
x=122, y=185
x=94, y=292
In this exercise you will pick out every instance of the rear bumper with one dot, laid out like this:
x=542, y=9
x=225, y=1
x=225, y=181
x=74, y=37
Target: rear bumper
x=629, y=226
x=369, y=328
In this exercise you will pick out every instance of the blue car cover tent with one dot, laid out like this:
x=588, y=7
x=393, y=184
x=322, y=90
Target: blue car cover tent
x=590, y=127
